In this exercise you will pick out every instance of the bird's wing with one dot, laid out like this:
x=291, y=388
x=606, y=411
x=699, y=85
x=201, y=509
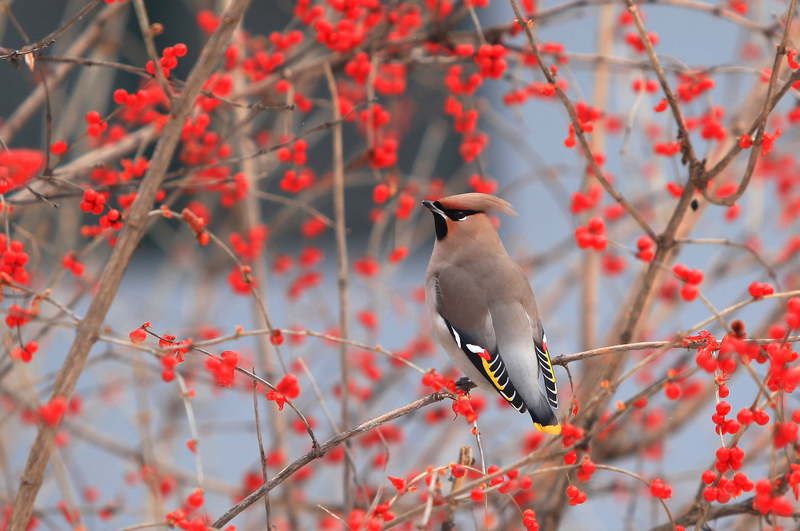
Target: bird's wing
x=547, y=368
x=471, y=327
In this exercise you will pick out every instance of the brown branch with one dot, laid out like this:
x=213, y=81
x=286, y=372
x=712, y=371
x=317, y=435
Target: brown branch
x=587, y=151
x=341, y=260
x=14, y=55
x=150, y=46
x=318, y=453
x=755, y=151
x=262, y=455
x=736, y=149
x=44, y=42
x=24, y=111
x=88, y=329
x=683, y=133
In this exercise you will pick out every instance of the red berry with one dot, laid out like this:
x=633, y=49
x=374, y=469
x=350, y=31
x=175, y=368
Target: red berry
x=673, y=391
x=689, y=292
x=58, y=148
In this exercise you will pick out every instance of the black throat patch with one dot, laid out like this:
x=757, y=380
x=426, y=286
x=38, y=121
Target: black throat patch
x=441, y=226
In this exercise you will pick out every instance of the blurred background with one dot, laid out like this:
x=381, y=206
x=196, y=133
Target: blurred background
x=128, y=441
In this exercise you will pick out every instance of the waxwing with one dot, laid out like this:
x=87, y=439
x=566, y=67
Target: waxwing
x=482, y=309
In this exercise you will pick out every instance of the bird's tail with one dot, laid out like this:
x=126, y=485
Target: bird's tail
x=544, y=418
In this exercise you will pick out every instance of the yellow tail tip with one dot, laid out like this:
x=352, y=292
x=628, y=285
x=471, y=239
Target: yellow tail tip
x=552, y=430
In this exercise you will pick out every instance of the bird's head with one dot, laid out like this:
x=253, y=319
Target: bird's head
x=465, y=213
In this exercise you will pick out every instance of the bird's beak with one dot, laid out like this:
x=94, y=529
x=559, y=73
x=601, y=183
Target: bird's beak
x=430, y=206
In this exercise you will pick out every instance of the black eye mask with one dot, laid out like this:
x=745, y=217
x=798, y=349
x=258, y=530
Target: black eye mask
x=454, y=214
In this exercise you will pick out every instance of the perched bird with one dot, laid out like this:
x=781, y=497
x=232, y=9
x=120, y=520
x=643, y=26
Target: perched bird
x=482, y=309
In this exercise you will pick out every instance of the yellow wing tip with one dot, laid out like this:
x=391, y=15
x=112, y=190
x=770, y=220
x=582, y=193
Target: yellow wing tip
x=551, y=430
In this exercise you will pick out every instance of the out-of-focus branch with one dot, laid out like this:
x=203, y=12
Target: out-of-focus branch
x=25, y=109
x=683, y=133
x=341, y=263
x=755, y=151
x=590, y=160
x=88, y=329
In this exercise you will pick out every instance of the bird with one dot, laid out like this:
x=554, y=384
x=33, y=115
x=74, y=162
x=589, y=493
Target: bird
x=482, y=309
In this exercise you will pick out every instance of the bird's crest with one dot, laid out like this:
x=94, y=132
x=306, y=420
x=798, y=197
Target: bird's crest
x=477, y=202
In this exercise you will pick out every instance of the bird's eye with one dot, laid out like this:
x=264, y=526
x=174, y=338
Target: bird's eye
x=459, y=215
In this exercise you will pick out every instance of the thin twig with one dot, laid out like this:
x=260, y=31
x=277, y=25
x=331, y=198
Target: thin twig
x=341, y=261
x=316, y=454
x=755, y=150
x=587, y=152
x=87, y=330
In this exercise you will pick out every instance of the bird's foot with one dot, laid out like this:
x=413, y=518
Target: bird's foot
x=465, y=384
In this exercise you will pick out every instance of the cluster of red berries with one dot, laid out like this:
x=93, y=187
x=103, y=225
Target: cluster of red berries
x=490, y=60
x=650, y=86
x=692, y=86
x=593, y=235
x=463, y=406
x=482, y=185
x=691, y=278
x=586, y=469
x=760, y=289
x=529, y=520
x=712, y=127
x=13, y=260
x=728, y=459
x=667, y=149
x=725, y=488
x=93, y=201
x=581, y=201
x=785, y=433
x=659, y=490
x=240, y=280
x=722, y=424
x=295, y=154
x=635, y=41
x=24, y=354
x=435, y=381
x=223, y=370
x=465, y=123
x=782, y=375
x=180, y=518
x=96, y=124
x=792, y=317
x=576, y=497
x=18, y=317
x=112, y=219
x=645, y=248
x=286, y=388
x=249, y=246
x=766, y=501
x=168, y=60
x=358, y=68
x=746, y=416
x=454, y=83
x=51, y=413
x=197, y=224
x=340, y=37
x=70, y=263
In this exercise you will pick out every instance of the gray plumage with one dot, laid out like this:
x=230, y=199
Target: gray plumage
x=478, y=299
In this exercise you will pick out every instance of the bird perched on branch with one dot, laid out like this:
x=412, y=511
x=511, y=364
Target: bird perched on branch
x=482, y=309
